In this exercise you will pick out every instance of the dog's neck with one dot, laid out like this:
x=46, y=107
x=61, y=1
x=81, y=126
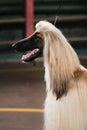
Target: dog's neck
x=47, y=76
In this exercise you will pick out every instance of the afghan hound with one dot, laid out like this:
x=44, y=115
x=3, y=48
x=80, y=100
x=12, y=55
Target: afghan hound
x=66, y=80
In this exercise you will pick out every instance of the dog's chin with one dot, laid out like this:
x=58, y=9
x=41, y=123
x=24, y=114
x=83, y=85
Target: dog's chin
x=31, y=55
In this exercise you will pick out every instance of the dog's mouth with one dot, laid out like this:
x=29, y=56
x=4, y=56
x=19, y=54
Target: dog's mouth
x=31, y=55
x=32, y=47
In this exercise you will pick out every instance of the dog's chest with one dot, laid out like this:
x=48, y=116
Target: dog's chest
x=64, y=113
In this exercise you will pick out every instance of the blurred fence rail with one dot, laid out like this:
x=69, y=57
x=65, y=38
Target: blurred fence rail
x=72, y=20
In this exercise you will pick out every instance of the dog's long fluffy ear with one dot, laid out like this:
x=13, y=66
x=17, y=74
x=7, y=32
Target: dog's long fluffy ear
x=62, y=61
x=59, y=86
x=63, y=89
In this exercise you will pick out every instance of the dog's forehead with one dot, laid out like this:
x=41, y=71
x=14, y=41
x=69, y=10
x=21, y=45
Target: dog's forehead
x=43, y=26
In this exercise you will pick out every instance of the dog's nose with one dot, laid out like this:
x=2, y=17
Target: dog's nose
x=14, y=47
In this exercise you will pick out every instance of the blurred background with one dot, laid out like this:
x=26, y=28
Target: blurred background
x=22, y=86
x=18, y=17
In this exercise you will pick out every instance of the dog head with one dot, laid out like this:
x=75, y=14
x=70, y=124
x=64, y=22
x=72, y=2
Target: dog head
x=32, y=46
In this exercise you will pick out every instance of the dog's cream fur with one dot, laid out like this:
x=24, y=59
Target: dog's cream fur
x=66, y=82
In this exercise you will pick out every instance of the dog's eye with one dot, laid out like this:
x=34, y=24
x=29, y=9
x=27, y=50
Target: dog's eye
x=39, y=36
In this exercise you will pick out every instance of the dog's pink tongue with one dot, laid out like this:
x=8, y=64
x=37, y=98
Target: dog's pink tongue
x=29, y=53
